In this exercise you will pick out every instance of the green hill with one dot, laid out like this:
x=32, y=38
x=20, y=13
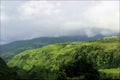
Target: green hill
x=7, y=51
x=44, y=62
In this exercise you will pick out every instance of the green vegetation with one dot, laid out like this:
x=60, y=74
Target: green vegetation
x=47, y=62
x=112, y=73
x=80, y=68
x=5, y=72
x=8, y=51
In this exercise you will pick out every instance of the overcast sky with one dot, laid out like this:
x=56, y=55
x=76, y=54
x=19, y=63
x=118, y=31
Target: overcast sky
x=30, y=19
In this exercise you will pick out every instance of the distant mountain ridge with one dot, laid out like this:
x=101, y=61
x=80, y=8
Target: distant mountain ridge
x=7, y=51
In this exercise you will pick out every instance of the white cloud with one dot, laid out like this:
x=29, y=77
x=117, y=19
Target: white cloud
x=104, y=15
x=100, y=14
x=3, y=16
x=31, y=9
x=72, y=25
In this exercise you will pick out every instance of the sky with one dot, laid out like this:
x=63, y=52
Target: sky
x=27, y=19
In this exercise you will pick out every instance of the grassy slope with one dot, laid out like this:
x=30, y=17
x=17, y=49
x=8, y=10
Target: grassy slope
x=105, y=53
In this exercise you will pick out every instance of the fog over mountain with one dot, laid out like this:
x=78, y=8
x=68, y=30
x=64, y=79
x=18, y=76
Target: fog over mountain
x=21, y=20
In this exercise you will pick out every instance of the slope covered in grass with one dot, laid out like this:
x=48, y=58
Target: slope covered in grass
x=104, y=53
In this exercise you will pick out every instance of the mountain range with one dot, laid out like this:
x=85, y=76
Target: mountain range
x=7, y=51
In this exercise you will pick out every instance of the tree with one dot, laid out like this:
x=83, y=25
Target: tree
x=61, y=76
x=79, y=67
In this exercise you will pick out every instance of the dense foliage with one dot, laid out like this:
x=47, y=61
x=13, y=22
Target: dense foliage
x=44, y=63
x=112, y=73
x=80, y=68
x=7, y=51
x=5, y=72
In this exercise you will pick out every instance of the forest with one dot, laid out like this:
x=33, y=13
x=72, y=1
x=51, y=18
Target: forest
x=94, y=59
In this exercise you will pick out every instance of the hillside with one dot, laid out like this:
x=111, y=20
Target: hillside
x=7, y=51
x=103, y=53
